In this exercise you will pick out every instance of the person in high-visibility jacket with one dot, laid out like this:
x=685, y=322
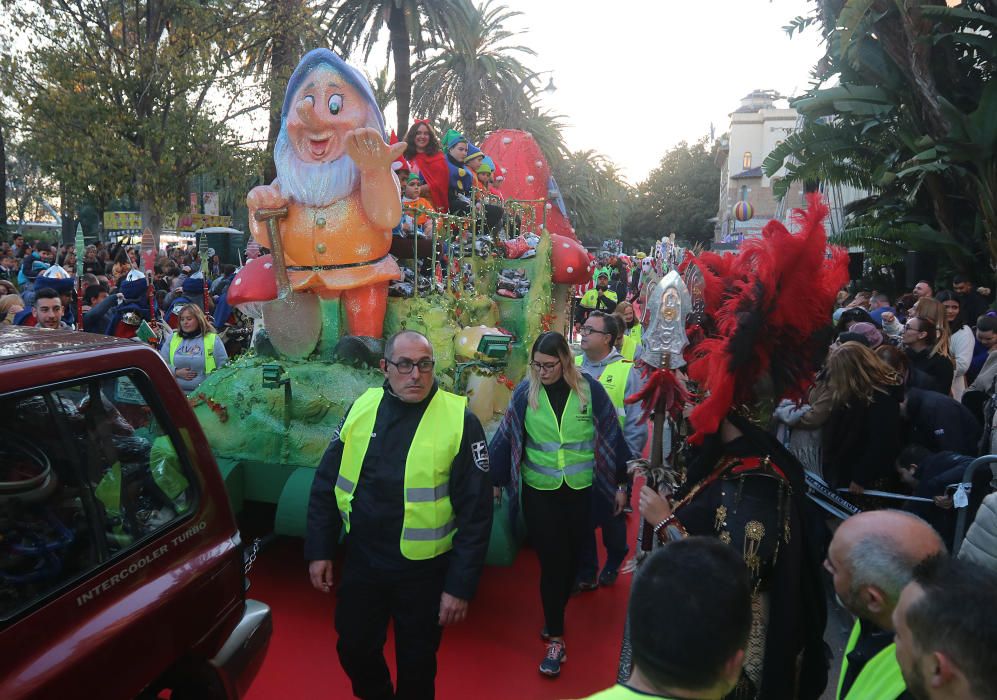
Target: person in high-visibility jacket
x=670, y=660
x=632, y=331
x=194, y=350
x=562, y=440
x=871, y=558
x=406, y=477
x=600, y=360
x=601, y=297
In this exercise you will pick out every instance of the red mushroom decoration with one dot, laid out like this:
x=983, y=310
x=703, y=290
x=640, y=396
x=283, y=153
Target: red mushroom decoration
x=527, y=176
x=254, y=282
x=569, y=260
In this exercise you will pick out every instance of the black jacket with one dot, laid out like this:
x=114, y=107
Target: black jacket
x=938, y=367
x=378, y=506
x=862, y=441
x=940, y=422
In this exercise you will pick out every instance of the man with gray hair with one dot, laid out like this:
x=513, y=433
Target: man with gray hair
x=871, y=558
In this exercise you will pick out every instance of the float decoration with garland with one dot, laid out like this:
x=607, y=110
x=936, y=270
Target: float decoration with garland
x=337, y=282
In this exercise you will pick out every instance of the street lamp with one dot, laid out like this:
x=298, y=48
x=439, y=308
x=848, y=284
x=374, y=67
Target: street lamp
x=550, y=89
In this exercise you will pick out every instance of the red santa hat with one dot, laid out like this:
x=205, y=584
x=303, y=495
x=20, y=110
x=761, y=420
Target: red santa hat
x=401, y=163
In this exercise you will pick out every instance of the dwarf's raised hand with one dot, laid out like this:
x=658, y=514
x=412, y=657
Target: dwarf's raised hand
x=369, y=151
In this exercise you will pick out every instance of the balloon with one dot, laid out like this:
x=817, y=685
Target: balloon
x=743, y=211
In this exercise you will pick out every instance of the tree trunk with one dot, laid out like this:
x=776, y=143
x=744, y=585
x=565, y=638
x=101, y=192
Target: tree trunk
x=283, y=45
x=152, y=219
x=400, y=54
x=68, y=233
x=3, y=181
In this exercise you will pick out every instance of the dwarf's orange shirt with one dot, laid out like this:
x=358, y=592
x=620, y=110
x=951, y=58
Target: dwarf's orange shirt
x=335, y=246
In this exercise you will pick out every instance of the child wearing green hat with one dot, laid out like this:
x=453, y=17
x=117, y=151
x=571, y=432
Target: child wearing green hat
x=461, y=180
x=411, y=200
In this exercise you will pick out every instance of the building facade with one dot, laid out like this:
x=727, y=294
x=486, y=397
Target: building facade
x=756, y=128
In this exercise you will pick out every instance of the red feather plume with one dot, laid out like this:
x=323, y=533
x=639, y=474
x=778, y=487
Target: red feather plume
x=766, y=304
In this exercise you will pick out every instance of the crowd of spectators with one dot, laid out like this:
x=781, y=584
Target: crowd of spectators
x=38, y=287
x=905, y=399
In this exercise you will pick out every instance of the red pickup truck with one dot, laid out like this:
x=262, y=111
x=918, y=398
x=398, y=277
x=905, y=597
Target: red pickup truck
x=121, y=567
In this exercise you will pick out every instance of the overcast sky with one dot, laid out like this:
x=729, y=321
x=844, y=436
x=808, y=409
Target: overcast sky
x=635, y=77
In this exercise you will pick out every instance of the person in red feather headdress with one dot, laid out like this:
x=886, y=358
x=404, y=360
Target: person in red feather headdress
x=758, y=345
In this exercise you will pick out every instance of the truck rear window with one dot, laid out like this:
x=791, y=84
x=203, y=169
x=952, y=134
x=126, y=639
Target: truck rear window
x=87, y=473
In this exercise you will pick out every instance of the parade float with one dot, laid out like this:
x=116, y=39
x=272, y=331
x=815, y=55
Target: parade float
x=337, y=282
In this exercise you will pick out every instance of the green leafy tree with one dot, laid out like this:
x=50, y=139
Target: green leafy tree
x=413, y=26
x=593, y=193
x=475, y=71
x=286, y=30
x=129, y=99
x=26, y=183
x=679, y=196
x=910, y=120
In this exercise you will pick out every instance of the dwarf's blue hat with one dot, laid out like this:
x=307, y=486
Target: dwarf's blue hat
x=318, y=57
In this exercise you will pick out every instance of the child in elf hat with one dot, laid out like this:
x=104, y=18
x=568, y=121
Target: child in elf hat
x=486, y=176
x=461, y=180
x=411, y=201
x=473, y=158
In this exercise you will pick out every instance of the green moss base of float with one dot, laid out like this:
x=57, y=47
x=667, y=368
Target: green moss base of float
x=258, y=437
x=429, y=316
x=527, y=318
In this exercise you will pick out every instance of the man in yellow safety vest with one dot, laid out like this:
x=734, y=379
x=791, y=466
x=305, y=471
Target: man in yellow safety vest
x=406, y=478
x=871, y=558
x=618, y=376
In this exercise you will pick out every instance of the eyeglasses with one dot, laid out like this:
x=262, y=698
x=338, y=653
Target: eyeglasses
x=589, y=330
x=544, y=366
x=406, y=366
x=908, y=327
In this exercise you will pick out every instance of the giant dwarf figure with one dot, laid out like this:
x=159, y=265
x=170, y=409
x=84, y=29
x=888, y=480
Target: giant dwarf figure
x=334, y=176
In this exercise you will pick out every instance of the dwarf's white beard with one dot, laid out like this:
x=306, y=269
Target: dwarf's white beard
x=313, y=184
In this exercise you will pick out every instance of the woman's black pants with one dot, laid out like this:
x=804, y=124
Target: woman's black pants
x=558, y=522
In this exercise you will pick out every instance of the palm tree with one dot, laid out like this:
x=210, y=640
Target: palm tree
x=383, y=87
x=412, y=24
x=545, y=127
x=288, y=29
x=593, y=192
x=475, y=71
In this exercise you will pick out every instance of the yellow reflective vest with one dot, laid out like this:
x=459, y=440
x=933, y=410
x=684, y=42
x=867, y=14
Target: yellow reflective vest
x=614, y=381
x=590, y=300
x=880, y=678
x=209, y=349
x=631, y=341
x=622, y=692
x=562, y=453
x=428, y=526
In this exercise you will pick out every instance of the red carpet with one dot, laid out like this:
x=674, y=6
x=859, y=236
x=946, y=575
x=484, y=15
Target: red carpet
x=492, y=655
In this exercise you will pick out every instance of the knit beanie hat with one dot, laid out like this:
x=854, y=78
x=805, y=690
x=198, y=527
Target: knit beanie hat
x=487, y=165
x=451, y=138
x=473, y=152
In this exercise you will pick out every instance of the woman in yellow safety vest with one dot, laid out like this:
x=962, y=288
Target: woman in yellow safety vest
x=194, y=350
x=561, y=442
x=632, y=330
